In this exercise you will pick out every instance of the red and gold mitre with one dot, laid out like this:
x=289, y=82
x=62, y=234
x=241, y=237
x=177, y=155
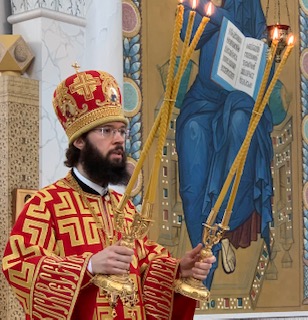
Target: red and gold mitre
x=86, y=100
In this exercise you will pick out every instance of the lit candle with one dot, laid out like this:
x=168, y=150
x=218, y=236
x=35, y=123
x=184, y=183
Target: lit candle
x=256, y=114
x=277, y=73
x=189, y=27
x=169, y=102
x=209, y=9
x=276, y=36
x=267, y=70
x=187, y=50
x=245, y=146
x=188, y=53
x=265, y=77
x=167, y=105
x=174, y=48
x=238, y=165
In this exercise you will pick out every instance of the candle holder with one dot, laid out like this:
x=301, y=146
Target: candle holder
x=213, y=232
x=283, y=33
x=273, y=10
x=122, y=286
x=192, y=287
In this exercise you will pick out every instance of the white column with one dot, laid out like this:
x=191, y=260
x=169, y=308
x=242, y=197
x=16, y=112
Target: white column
x=104, y=44
x=5, y=11
x=60, y=33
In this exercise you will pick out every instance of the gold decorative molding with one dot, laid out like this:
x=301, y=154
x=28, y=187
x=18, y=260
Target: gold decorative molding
x=19, y=162
x=15, y=54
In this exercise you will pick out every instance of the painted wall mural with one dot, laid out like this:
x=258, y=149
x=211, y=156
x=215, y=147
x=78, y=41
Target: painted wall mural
x=259, y=275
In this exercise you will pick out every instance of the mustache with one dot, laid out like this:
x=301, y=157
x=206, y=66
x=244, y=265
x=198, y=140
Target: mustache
x=117, y=149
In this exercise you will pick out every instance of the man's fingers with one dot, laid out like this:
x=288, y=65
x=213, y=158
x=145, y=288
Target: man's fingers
x=124, y=266
x=123, y=250
x=196, y=250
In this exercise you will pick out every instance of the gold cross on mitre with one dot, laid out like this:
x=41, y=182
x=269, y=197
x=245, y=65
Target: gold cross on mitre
x=76, y=66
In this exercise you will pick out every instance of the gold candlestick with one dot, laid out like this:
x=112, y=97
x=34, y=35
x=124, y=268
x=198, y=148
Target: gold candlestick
x=121, y=286
x=213, y=232
x=236, y=162
x=115, y=286
x=190, y=286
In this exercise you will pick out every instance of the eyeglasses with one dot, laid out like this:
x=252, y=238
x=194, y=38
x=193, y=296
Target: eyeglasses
x=109, y=132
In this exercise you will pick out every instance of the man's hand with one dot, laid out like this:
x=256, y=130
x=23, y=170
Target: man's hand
x=190, y=266
x=115, y=259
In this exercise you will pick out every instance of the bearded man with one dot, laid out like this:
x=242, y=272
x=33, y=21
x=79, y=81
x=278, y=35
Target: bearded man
x=66, y=235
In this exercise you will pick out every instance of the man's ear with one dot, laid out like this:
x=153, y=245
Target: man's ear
x=79, y=143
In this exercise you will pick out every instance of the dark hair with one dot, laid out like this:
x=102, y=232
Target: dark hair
x=73, y=153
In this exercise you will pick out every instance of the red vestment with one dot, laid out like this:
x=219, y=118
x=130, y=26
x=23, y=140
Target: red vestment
x=46, y=258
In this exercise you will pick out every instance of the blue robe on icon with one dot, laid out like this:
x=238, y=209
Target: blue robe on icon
x=211, y=127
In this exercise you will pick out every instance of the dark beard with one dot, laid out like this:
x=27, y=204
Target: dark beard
x=100, y=169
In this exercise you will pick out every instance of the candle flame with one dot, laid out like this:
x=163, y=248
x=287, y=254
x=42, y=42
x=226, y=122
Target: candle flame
x=180, y=1
x=291, y=40
x=209, y=9
x=275, y=34
x=194, y=4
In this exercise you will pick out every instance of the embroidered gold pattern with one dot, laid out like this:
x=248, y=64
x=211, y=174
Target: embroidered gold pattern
x=104, y=222
x=48, y=287
x=86, y=100
x=55, y=295
x=85, y=84
x=89, y=120
x=158, y=288
x=110, y=88
x=68, y=106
